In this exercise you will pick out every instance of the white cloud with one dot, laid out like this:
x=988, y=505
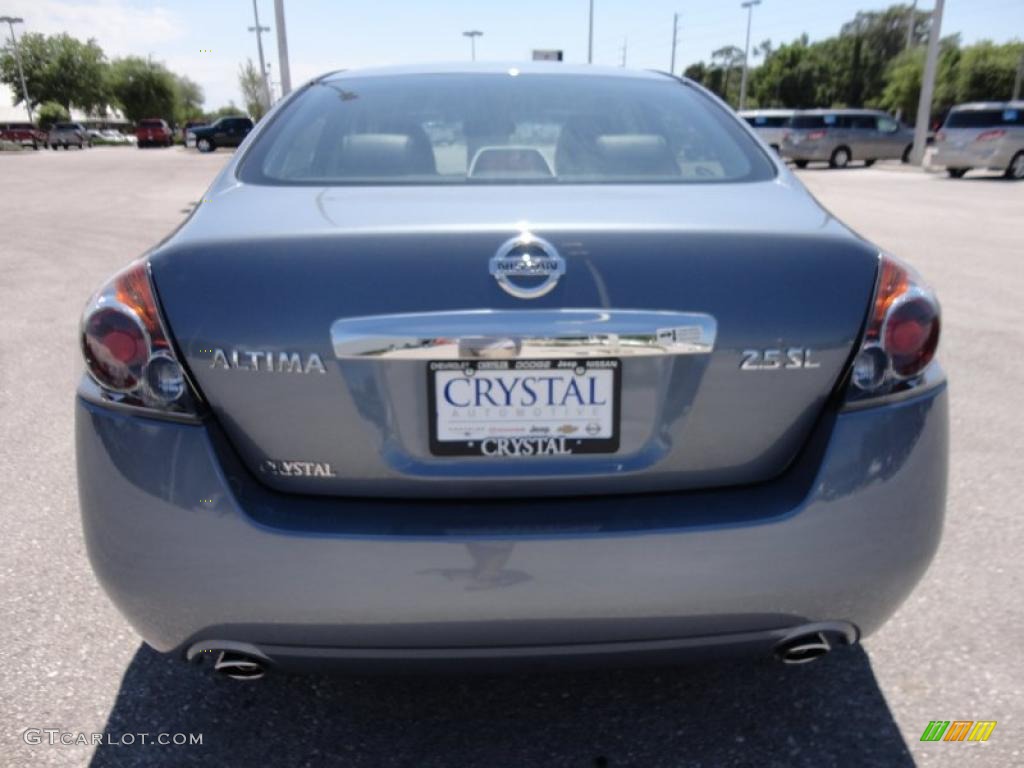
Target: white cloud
x=118, y=27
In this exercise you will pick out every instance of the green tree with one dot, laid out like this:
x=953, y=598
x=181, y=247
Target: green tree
x=188, y=99
x=697, y=72
x=229, y=110
x=57, y=68
x=142, y=88
x=788, y=77
x=986, y=71
x=51, y=112
x=905, y=73
x=251, y=83
x=867, y=44
x=726, y=70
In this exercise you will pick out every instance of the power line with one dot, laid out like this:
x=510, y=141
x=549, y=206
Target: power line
x=590, y=37
x=282, y=48
x=11, y=21
x=259, y=47
x=924, y=105
x=472, y=34
x=675, y=42
x=749, y=5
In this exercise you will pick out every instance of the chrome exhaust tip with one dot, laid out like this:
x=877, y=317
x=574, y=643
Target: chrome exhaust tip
x=802, y=649
x=238, y=666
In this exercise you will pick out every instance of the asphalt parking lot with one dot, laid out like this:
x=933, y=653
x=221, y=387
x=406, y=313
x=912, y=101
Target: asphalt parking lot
x=70, y=219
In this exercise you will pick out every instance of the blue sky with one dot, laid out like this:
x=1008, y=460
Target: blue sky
x=334, y=34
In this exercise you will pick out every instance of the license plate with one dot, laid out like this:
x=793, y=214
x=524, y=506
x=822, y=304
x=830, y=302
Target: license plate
x=523, y=408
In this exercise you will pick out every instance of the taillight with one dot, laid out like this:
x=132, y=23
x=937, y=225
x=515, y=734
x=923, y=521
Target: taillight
x=940, y=136
x=997, y=133
x=902, y=333
x=815, y=135
x=127, y=351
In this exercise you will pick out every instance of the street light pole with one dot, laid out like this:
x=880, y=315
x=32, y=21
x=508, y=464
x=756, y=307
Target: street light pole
x=11, y=21
x=924, y=105
x=259, y=47
x=590, y=38
x=472, y=34
x=675, y=40
x=749, y=5
x=282, y=48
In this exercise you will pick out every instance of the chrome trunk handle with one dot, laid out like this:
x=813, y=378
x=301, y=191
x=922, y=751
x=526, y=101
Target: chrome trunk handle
x=523, y=334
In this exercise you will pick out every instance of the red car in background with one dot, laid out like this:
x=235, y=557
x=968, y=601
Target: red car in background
x=23, y=133
x=154, y=132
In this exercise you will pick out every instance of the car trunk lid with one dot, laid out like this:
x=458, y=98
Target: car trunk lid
x=253, y=309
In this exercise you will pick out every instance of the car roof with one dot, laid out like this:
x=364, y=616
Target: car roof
x=842, y=111
x=497, y=68
x=766, y=112
x=988, y=105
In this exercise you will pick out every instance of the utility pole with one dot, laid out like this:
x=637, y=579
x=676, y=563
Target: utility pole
x=749, y=5
x=472, y=34
x=590, y=37
x=675, y=40
x=11, y=21
x=1020, y=77
x=924, y=105
x=625, y=46
x=910, y=24
x=282, y=49
x=259, y=46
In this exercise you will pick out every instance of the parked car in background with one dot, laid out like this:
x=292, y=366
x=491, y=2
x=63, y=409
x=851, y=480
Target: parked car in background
x=114, y=136
x=986, y=135
x=25, y=134
x=225, y=132
x=604, y=381
x=840, y=136
x=770, y=124
x=68, y=134
x=154, y=132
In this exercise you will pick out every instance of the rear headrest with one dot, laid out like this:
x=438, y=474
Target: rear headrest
x=637, y=153
x=583, y=151
x=385, y=154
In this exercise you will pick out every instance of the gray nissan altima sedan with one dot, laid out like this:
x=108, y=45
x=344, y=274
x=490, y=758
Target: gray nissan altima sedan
x=483, y=364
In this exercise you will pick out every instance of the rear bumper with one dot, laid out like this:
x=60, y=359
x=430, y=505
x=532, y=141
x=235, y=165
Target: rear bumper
x=991, y=157
x=810, y=153
x=195, y=553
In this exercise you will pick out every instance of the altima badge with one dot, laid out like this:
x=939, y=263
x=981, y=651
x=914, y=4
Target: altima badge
x=527, y=267
x=260, y=360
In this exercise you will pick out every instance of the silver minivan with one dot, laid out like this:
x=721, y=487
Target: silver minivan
x=982, y=135
x=769, y=124
x=839, y=136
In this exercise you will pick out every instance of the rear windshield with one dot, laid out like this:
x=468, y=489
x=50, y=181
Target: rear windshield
x=152, y=123
x=67, y=127
x=761, y=121
x=983, y=118
x=801, y=122
x=500, y=128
